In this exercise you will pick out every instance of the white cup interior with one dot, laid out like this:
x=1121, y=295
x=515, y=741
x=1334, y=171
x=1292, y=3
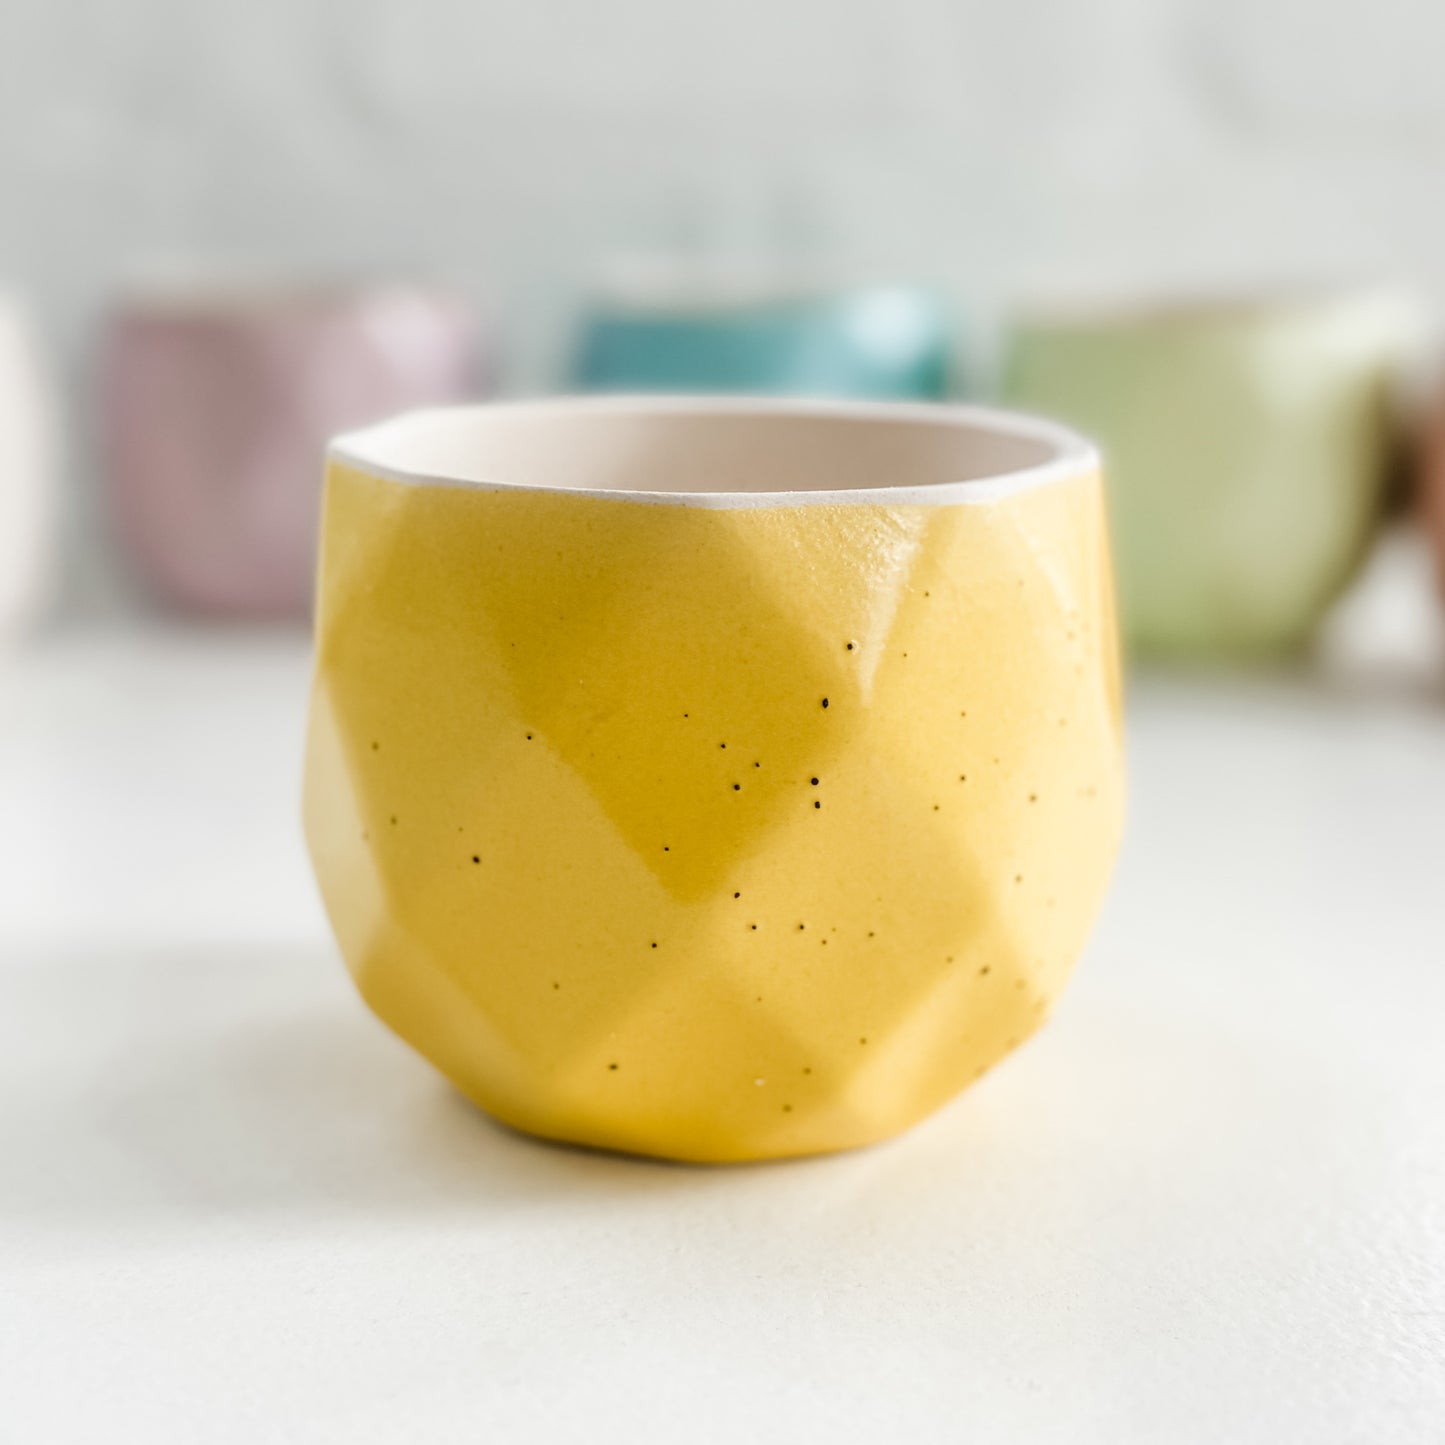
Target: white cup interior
x=716, y=448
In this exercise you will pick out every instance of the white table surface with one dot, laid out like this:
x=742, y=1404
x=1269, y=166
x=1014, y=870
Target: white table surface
x=1207, y=1203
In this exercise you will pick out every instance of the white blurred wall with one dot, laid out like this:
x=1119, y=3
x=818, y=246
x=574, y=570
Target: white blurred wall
x=989, y=144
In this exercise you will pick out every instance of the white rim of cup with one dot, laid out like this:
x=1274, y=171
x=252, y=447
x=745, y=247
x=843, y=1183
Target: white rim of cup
x=1072, y=455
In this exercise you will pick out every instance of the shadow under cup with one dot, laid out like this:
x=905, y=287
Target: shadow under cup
x=718, y=780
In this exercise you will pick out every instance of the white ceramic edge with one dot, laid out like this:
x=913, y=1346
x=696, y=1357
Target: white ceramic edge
x=1074, y=456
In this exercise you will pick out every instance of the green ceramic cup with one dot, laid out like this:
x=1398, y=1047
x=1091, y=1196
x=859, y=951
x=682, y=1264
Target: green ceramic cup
x=1247, y=446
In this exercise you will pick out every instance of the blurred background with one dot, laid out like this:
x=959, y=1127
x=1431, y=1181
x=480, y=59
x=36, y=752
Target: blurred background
x=516, y=156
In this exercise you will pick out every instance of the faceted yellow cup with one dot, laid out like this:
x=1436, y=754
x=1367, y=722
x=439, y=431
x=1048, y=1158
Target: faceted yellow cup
x=715, y=779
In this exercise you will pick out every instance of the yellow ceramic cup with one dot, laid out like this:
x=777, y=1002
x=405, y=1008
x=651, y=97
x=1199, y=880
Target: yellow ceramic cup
x=713, y=779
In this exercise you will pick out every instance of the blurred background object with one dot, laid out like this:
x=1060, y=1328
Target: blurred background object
x=706, y=330
x=1430, y=474
x=989, y=151
x=217, y=403
x=1248, y=446
x=29, y=476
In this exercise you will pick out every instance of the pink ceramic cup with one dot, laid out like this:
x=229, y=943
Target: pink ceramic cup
x=215, y=410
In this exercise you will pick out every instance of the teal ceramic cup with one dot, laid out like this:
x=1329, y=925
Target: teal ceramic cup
x=884, y=342
x=1247, y=445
